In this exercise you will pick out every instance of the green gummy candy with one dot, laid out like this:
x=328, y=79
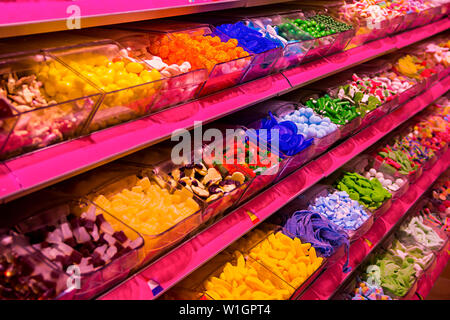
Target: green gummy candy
x=377, y=197
x=353, y=195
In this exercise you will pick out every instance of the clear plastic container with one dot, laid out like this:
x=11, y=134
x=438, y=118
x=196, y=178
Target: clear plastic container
x=299, y=290
x=424, y=17
x=280, y=109
x=340, y=40
x=302, y=203
x=368, y=30
x=180, y=86
x=320, y=190
x=220, y=76
x=213, y=205
x=126, y=96
x=371, y=116
x=383, y=67
x=294, y=50
x=423, y=270
x=262, y=63
x=442, y=234
x=251, y=118
x=321, y=46
x=103, y=276
x=402, y=132
x=303, y=95
x=408, y=19
x=365, y=162
x=216, y=267
x=261, y=17
x=37, y=107
x=412, y=289
x=268, y=169
x=41, y=279
x=169, y=233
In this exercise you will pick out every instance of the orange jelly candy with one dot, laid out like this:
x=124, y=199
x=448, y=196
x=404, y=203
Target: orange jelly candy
x=200, y=51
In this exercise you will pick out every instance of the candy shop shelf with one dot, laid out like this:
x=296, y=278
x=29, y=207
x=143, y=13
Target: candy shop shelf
x=329, y=282
x=47, y=16
x=32, y=171
x=424, y=288
x=324, y=67
x=183, y=260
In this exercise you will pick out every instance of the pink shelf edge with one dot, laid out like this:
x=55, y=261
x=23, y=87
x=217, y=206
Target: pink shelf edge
x=328, y=283
x=32, y=171
x=205, y=245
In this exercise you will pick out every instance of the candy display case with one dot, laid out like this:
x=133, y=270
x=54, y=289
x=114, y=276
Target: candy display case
x=290, y=277
x=265, y=51
x=408, y=18
x=219, y=187
x=381, y=164
x=277, y=23
x=415, y=229
x=23, y=265
x=323, y=45
x=309, y=198
x=424, y=259
x=409, y=65
x=303, y=96
x=224, y=71
x=407, y=289
x=382, y=68
x=78, y=233
x=299, y=204
x=129, y=86
x=393, y=162
x=258, y=117
x=425, y=16
x=343, y=31
x=422, y=155
x=163, y=213
x=182, y=83
x=248, y=153
x=363, y=163
x=214, y=280
x=367, y=30
x=358, y=168
x=37, y=106
x=432, y=60
x=296, y=42
x=367, y=116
